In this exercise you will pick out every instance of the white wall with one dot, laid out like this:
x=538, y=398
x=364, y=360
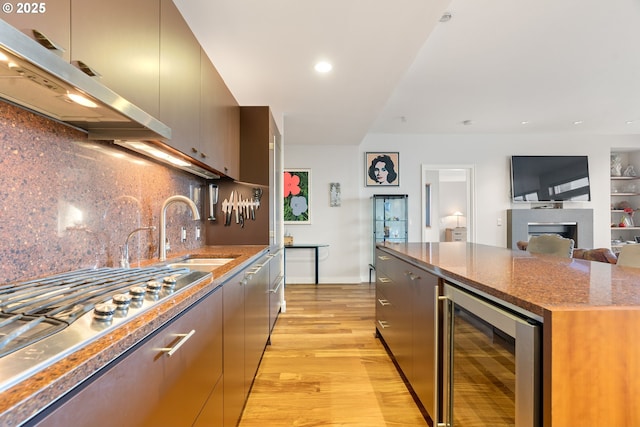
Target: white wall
x=340, y=227
x=347, y=229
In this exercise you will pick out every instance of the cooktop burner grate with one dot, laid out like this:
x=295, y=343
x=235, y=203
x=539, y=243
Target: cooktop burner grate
x=36, y=309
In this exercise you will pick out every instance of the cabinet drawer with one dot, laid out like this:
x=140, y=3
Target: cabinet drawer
x=383, y=262
x=146, y=386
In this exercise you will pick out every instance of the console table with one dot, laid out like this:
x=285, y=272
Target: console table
x=315, y=247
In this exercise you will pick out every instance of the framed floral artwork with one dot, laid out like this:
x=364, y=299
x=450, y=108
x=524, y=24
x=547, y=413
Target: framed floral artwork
x=382, y=169
x=297, y=196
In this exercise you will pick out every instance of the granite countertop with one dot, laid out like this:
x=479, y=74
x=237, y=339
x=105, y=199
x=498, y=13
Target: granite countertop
x=25, y=399
x=535, y=283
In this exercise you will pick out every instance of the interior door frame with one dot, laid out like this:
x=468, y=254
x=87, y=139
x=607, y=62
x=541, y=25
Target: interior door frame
x=471, y=199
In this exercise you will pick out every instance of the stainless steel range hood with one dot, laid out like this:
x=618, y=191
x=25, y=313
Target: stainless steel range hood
x=37, y=79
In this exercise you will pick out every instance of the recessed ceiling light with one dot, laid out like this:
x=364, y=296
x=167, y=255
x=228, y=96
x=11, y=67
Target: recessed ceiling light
x=446, y=17
x=630, y=122
x=323, y=67
x=467, y=122
x=524, y=122
x=578, y=122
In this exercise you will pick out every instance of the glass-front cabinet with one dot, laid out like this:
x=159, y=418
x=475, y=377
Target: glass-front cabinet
x=390, y=220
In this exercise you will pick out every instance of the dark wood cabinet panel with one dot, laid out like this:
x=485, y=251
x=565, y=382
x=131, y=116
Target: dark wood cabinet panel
x=51, y=18
x=121, y=41
x=234, y=330
x=407, y=320
x=179, y=80
x=212, y=413
x=146, y=387
x=257, y=132
x=256, y=318
x=246, y=332
x=219, y=122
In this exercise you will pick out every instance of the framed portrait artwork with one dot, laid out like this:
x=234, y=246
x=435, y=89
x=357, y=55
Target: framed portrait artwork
x=297, y=196
x=382, y=169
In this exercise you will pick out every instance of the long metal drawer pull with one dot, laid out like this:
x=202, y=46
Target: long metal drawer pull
x=384, y=279
x=185, y=337
x=280, y=282
x=384, y=302
x=411, y=276
x=383, y=324
x=384, y=257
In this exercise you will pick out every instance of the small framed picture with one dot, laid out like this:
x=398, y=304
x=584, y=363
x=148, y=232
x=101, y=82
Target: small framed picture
x=382, y=169
x=334, y=194
x=297, y=196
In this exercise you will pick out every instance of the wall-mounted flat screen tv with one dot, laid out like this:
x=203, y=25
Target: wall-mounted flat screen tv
x=550, y=178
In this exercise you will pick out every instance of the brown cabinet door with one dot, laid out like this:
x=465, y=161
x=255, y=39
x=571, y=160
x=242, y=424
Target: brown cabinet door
x=179, y=80
x=233, y=379
x=255, y=136
x=146, y=387
x=256, y=318
x=424, y=378
x=219, y=122
x=120, y=39
x=51, y=18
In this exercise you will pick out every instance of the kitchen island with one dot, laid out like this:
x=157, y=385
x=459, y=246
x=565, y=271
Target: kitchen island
x=29, y=397
x=588, y=310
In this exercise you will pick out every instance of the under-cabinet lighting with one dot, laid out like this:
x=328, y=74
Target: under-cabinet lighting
x=79, y=99
x=151, y=150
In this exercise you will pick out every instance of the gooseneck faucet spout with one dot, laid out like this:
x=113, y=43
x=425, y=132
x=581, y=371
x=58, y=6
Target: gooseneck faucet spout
x=163, y=220
x=124, y=262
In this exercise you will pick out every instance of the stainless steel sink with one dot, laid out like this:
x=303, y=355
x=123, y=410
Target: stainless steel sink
x=201, y=264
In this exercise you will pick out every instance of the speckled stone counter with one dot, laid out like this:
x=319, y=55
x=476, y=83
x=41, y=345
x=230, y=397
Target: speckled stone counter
x=22, y=401
x=532, y=282
x=589, y=311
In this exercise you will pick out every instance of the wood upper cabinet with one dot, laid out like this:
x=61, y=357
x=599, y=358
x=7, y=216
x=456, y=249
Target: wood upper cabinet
x=51, y=18
x=145, y=52
x=179, y=80
x=219, y=122
x=257, y=132
x=121, y=41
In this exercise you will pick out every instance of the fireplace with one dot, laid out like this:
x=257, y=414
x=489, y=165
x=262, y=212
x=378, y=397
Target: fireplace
x=568, y=230
x=576, y=224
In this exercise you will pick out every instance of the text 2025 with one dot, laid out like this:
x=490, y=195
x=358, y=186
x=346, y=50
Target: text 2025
x=31, y=7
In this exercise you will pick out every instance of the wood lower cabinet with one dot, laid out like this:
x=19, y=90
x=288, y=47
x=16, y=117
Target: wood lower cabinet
x=395, y=323
x=234, y=330
x=146, y=387
x=407, y=320
x=246, y=332
x=424, y=379
x=256, y=293
x=276, y=286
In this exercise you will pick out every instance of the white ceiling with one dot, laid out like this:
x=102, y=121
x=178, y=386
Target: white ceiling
x=397, y=69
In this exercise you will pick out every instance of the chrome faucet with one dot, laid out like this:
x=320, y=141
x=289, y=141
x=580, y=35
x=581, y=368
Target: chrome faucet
x=124, y=261
x=163, y=220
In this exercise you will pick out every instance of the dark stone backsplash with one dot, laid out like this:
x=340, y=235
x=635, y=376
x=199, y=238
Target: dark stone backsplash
x=68, y=203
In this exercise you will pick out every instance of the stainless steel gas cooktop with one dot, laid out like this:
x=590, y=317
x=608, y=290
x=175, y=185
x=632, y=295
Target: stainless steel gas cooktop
x=43, y=320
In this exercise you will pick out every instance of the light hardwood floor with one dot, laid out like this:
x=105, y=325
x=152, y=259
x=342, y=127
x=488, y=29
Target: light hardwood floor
x=325, y=367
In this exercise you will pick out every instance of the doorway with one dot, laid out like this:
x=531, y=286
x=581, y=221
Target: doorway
x=448, y=203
